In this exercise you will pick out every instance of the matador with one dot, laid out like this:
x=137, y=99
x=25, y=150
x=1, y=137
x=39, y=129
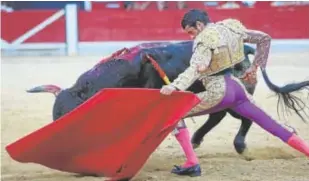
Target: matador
x=218, y=47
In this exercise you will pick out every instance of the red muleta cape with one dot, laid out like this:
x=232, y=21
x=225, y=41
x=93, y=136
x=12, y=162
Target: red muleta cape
x=112, y=134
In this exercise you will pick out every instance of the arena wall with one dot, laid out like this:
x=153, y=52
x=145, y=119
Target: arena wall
x=100, y=28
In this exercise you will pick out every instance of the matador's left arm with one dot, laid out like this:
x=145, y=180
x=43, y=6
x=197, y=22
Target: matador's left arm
x=200, y=56
x=262, y=41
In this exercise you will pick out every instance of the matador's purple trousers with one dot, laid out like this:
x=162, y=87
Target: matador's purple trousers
x=237, y=99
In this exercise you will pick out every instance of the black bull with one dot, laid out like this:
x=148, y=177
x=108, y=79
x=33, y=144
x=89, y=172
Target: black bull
x=131, y=69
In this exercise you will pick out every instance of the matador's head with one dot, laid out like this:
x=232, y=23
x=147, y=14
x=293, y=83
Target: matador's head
x=194, y=21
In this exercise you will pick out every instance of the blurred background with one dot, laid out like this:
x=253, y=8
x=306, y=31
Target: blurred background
x=102, y=27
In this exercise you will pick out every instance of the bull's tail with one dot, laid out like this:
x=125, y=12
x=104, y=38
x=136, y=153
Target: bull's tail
x=46, y=88
x=285, y=98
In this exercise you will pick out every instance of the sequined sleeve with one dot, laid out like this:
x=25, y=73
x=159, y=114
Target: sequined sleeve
x=201, y=55
x=262, y=41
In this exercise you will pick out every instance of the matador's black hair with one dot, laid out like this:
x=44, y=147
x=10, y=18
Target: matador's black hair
x=194, y=15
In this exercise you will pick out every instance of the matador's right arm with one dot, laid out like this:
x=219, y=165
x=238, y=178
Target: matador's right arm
x=201, y=56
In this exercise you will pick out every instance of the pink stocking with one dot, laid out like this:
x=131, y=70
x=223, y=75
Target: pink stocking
x=183, y=137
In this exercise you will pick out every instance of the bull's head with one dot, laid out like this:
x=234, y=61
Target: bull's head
x=125, y=68
x=64, y=103
x=113, y=71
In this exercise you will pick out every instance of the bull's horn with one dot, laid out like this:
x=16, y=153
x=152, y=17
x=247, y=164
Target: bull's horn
x=46, y=88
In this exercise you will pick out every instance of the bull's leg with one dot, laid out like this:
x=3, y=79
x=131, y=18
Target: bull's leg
x=213, y=120
x=239, y=141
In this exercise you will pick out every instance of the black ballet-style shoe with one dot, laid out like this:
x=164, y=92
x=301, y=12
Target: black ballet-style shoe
x=193, y=171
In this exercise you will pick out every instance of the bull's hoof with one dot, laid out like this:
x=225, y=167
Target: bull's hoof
x=195, y=145
x=240, y=145
x=196, y=141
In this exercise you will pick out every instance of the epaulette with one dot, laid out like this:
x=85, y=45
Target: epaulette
x=209, y=37
x=234, y=25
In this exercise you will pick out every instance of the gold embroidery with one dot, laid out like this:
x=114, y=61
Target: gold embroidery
x=220, y=60
x=209, y=37
x=202, y=55
x=225, y=40
x=224, y=59
x=215, y=91
x=234, y=25
x=220, y=46
x=238, y=54
x=262, y=41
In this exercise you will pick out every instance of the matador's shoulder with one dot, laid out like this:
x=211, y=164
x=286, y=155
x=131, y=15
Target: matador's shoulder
x=234, y=25
x=209, y=37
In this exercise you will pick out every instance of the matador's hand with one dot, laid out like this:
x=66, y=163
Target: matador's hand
x=250, y=75
x=167, y=89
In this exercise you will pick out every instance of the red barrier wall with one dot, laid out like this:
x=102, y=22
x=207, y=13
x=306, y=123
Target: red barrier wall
x=115, y=25
x=15, y=24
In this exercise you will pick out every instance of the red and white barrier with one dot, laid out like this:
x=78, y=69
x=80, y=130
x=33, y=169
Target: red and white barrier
x=29, y=29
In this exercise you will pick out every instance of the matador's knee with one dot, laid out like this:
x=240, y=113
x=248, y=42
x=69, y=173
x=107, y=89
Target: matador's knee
x=180, y=125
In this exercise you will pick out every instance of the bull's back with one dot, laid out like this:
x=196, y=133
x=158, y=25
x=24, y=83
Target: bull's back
x=111, y=74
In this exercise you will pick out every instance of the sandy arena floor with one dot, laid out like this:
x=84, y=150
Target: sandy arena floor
x=272, y=160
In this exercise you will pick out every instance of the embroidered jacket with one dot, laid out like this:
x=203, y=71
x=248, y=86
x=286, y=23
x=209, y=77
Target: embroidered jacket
x=220, y=46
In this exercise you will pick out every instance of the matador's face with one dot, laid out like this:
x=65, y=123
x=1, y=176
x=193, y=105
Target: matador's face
x=194, y=31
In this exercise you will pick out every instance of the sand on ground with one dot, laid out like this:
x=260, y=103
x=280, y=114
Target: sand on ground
x=270, y=159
